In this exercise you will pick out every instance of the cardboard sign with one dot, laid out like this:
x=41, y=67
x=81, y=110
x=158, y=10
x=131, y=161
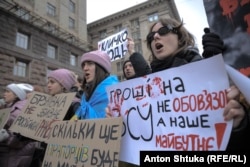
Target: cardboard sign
x=94, y=142
x=40, y=112
x=176, y=109
x=115, y=45
x=4, y=116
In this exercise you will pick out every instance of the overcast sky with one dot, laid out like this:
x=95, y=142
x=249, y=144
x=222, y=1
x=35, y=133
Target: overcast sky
x=191, y=11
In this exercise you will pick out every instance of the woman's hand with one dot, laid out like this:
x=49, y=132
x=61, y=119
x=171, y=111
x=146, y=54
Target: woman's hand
x=130, y=46
x=108, y=113
x=234, y=110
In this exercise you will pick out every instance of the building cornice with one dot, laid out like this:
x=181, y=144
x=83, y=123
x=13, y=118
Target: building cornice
x=130, y=11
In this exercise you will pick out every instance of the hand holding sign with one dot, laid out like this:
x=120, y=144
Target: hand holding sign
x=115, y=45
x=130, y=46
x=170, y=110
x=234, y=110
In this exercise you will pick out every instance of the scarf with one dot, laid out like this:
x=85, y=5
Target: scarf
x=181, y=58
x=96, y=105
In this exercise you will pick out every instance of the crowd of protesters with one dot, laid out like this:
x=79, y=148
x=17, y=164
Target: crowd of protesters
x=170, y=44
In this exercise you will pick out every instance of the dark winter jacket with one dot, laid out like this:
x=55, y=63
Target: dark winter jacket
x=239, y=139
x=72, y=108
x=140, y=65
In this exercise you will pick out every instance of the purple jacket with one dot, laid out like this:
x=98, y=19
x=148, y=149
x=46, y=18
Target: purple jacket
x=15, y=111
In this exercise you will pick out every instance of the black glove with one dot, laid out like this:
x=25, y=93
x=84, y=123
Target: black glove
x=212, y=44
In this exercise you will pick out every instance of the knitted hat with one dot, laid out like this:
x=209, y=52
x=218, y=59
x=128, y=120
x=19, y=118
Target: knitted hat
x=19, y=92
x=65, y=77
x=99, y=57
x=26, y=87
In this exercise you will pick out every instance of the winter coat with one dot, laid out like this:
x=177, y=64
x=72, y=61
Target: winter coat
x=95, y=106
x=16, y=151
x=16, y=109
x=72, y=108
x=140, y=65
x=239, y=138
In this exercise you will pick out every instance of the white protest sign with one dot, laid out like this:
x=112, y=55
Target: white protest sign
x=115, y=45
x=176, y=109
x=240, y=80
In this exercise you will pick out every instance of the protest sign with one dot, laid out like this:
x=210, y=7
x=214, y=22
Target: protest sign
x=231, y=21
x=176, y=109
x=94, y=142
x=115, y=45
x=241, y=81
x=40, y=113
x=4, y=115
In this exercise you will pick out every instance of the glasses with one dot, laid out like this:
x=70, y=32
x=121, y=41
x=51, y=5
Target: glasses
x=162, y=31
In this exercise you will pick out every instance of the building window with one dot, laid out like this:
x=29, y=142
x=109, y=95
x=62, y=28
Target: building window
x=52, y=50
x=138, y=47
x=119, y=65
x=20, y=69
x=118, y=28
x=24, y=14
x=153, y=17
x=72, y=7
x=135, y=23
x=136, y=35
x=22, y=40
x=71, y=23
x=51, y=10
x=103, y=33
x=73, y=59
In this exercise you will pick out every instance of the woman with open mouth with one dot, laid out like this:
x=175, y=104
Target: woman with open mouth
x=172, y=45
x=96, y=67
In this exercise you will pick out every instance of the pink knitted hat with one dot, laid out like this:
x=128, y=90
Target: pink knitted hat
x=64, y=77
x=99, y=57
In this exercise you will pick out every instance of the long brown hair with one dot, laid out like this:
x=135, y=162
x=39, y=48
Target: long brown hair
x=100, y=75
x=185, y=38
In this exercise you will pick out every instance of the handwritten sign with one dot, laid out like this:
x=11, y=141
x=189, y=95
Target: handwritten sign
x=4, y=115
x=39, y=113
x=241, y=81
x=115, y=45
x=84, y=143
x=176, y=109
